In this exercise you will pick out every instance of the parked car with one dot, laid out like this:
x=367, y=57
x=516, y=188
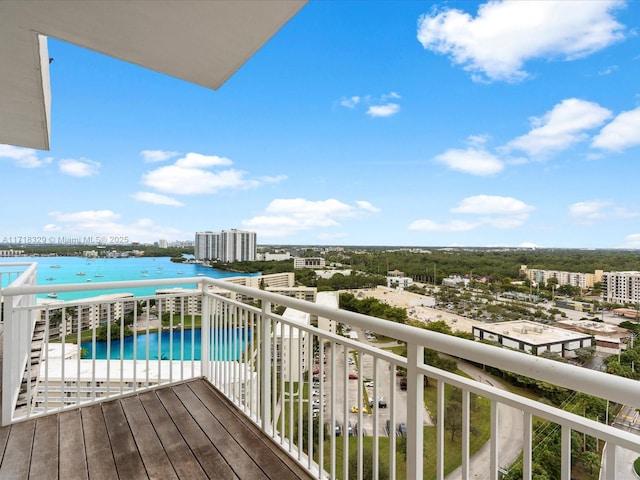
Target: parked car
x=402, y=430
x=382, y=403
x=368, y=384
x=354, y=409
x=353, y=376
x=338, y=429
x=403, y=383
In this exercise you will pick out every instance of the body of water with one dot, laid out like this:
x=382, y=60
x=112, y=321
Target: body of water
x=225, y=345
x=58, y=270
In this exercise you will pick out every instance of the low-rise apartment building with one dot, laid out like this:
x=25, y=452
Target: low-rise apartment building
x=575, y=279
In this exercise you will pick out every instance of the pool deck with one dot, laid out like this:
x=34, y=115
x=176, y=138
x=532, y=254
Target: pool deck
x=184, y=431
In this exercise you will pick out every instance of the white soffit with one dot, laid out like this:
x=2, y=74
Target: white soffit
x=202, y=41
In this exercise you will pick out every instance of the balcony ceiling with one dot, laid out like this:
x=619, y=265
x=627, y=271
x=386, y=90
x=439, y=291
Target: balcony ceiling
x=203, y=42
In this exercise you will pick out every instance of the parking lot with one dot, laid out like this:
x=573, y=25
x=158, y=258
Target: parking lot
x=386, y=394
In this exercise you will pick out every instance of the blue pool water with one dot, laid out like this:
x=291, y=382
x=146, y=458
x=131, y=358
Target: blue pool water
x=225, y=345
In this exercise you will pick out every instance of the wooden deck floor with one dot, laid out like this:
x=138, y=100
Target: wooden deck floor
x=187, y=431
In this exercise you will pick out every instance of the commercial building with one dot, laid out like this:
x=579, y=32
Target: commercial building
x=609, y=339
x=533, y=338
x=226, y=246
x=575, y=305
x=621, y=287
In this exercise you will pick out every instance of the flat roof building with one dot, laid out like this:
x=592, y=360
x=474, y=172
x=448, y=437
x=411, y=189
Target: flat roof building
x=533, y=338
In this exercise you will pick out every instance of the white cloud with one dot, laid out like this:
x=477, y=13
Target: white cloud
x=504, y=35
x=452, y=226
x=156, y=199
x=383, y=110
x=106, y=223
x=608, y=70
x=598, y=209
x=376, y=106
x=472, y=161
x=79, y=168
x=350, y=102
x=623, y=132
x=289, y=216
x=490, y=210
x=23, y=157
x=390, y=95
x=157, y=155
x=194, y=181
x=197, y=160
x=495, y=211
x=477, y=140
x=364, y=205
x=560, y=128
x=192, y=175
x=492, y=205
x=275, y=179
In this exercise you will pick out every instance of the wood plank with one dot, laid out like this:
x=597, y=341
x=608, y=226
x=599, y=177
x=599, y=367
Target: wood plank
x=239, y=460
x=4, y=436
x=44, y=463
x=100, y=463
x=72, y=463
x=209, y=457
x=125, y=452
x=184, y=462
x=151, y=450
x=273, y=461
x=17, y=455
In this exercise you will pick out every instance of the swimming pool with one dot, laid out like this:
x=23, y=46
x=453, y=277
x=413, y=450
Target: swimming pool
x=225, y=345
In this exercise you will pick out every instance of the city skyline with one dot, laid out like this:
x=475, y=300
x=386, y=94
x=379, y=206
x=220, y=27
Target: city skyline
x=358, y=123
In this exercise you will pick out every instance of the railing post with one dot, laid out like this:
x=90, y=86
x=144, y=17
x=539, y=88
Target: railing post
x=7, y=362
x=265, y=367
x=205, y=335
x=415, y=411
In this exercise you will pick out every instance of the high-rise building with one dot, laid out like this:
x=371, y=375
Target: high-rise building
x=227, y=246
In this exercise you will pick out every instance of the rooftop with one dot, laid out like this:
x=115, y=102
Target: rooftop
x=531, y=332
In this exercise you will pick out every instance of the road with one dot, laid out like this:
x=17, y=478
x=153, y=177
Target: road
x=627, y=420
x=510, y=428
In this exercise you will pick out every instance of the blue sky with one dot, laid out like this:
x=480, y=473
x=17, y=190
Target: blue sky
x=359, y=123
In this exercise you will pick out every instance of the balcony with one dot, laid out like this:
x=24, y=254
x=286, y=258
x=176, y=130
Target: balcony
x=189, y=371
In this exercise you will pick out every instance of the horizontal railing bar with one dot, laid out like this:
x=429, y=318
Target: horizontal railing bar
x=590, y=427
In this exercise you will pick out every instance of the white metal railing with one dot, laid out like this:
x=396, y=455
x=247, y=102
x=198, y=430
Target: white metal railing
x=278, y=368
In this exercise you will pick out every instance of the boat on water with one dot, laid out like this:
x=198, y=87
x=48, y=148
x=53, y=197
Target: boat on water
x=50, y=279
x=81, y=274
x=52, y=295
x=201, y=274
x=98, y=275
x=55, y=266
x=180, y=273
x=144, y=275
